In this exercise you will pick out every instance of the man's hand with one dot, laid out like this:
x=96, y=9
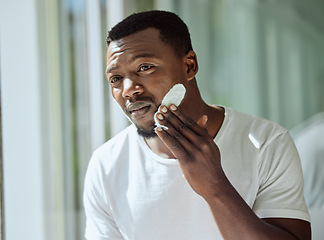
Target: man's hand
x=190, y=143
x=199, y=159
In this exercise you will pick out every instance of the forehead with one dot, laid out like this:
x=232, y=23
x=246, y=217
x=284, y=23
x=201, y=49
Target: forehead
x=145, y=42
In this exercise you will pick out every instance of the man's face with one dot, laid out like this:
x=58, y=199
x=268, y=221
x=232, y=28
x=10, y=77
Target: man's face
x=141, y=69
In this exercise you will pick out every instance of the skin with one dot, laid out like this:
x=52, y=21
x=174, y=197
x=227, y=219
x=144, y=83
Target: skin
x=133, y=60
x=141, y=69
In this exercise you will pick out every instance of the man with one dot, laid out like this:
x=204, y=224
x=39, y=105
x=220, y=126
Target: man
x=215, y=173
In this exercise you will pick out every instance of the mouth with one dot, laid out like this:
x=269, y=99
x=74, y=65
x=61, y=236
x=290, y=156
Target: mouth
x=138, y=110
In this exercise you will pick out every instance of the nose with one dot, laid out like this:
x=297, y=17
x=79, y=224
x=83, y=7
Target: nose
x=131, y=88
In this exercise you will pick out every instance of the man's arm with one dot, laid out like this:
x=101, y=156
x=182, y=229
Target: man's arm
x=199, y=159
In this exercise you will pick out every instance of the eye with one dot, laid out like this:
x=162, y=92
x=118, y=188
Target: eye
x=144, y=68
x=114, y=79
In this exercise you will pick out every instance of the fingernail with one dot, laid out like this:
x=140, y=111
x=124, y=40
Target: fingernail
x=158, y=129
x=173, y=107
x=164, y=109
x=160, y=116
x=205, y=118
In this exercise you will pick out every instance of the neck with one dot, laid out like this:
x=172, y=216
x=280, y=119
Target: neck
x=159, y=148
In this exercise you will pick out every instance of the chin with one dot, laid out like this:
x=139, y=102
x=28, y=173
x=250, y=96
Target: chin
x=146, y=132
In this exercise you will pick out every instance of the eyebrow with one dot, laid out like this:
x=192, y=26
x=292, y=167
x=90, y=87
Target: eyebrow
x=145, y=55
x=108, y=70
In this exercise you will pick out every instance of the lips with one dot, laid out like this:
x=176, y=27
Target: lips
x=138, y=109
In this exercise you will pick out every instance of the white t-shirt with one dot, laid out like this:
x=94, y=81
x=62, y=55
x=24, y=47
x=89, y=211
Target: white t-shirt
x=133, y=194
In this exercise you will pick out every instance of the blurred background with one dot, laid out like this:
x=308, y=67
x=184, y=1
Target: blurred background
x=264, y=57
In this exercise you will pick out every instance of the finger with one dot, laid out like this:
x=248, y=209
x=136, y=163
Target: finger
x=188, y=122
x=188, y=138
x=173, y=144
x=175, y=132
x=171, y=121
x=202, y=122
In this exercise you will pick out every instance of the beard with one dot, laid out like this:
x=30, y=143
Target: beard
x=147, y=132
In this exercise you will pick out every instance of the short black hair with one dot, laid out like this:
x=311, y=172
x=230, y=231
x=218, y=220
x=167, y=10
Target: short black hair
x=173, y=31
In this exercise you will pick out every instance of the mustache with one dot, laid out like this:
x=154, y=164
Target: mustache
x=138, y=103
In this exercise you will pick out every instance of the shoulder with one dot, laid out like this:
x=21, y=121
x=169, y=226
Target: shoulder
x=253, y=127
x=107, y=160
x=112, y=150
x=117, y=142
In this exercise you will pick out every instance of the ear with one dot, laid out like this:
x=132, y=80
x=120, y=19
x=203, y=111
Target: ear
x=191, y=64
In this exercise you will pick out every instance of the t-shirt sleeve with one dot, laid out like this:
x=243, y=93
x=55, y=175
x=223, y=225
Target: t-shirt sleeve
x=280, y=192
x=100, y=224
